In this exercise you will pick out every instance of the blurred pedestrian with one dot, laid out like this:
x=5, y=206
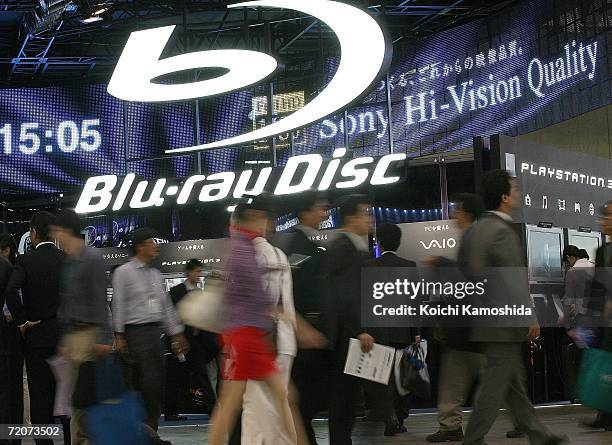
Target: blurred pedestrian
x=578, y=278
x=249, y=323
x=310, y=372
x=9, y=384
x=602, y=296
x=37, y=275
x=344, y=260
x=461, y=363
x=494, y=244
x=142, y=311
x=203, y=349
x=261, y=421
x=84, y=314
x=385, y=399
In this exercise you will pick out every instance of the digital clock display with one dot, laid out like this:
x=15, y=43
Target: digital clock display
x=69, y=136
x=52, y=139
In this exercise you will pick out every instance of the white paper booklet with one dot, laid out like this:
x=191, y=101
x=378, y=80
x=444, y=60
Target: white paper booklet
x=375, y=365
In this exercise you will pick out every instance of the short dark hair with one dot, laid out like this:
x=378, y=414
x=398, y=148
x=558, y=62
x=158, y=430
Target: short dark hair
x=495, y=184
x=69, y=220
x=42, y=222
x=142, y=234
x=571, y=250
x=303, y=202
x=470, y=203
x=349, y=204
x=262, y=202
x=193, y=264
x=7, y=241
x=388, y=236
x=583, y=254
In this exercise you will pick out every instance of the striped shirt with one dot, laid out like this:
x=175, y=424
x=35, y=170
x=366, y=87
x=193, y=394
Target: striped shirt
x=246, y=303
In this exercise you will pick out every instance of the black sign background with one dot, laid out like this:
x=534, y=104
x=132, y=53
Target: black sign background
x=173, y=256
x=562, y=202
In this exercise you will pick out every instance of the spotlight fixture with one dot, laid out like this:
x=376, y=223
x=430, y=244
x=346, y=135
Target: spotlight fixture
x=99, y=11
x=91, y=19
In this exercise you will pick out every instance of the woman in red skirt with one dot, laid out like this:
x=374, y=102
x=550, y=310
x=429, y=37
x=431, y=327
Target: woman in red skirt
x=249, y=322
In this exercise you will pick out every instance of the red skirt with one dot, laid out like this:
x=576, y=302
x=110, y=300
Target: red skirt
x=248, y=354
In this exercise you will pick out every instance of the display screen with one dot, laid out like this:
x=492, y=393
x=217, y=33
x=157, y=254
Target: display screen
x=528, y=67
x=52, y=139
x=545, y=249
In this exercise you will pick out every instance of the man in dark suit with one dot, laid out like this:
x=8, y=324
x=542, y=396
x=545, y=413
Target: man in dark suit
x=37, y=274
x=203, y=349
x=384, y=398
x=310, y=367
x=388, y=238
x=343, y=264
x=8, y=385
x=494, y=246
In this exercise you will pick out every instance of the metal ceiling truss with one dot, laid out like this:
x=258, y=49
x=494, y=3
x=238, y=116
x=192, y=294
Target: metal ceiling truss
x=90, y=49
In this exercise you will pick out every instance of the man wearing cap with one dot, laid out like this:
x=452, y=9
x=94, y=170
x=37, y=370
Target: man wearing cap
x=142, y=311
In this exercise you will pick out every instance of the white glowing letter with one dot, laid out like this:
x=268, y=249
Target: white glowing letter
x=360, y=175
x=155, y=199
x=243, y=181
x=223, y=188
x=92, y=191
x=140, y=64
x=284, y=186
x=123, y=191
x=378, y=177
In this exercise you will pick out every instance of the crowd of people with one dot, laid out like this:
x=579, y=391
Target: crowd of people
x=290, y=308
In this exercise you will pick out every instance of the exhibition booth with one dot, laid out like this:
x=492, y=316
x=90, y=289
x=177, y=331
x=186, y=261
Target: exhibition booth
x=420, y=128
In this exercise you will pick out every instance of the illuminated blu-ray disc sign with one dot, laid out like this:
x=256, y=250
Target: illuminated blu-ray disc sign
x=531, y=66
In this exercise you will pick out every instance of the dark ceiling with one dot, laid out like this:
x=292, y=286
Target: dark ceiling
x=46, y=42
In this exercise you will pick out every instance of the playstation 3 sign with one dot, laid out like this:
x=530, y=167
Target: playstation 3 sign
x=301, y=173
x=365, y=57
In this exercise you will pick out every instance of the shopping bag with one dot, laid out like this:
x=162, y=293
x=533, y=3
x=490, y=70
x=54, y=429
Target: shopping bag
x=203, y=308
x=412, y=371
x=595, y=379
x=117, y=421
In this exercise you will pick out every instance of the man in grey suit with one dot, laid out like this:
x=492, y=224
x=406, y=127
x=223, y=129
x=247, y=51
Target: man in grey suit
x=493, y=245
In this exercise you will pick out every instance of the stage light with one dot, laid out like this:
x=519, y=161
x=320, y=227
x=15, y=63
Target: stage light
x=91, y=19
x=99, y=11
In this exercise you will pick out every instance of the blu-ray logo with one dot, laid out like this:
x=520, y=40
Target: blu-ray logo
x=365, y=56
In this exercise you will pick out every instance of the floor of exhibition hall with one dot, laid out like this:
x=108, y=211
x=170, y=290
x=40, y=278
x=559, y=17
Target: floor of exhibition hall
x=560, y=419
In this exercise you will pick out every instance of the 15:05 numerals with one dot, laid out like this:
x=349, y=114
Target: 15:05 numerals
x=29, y=137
